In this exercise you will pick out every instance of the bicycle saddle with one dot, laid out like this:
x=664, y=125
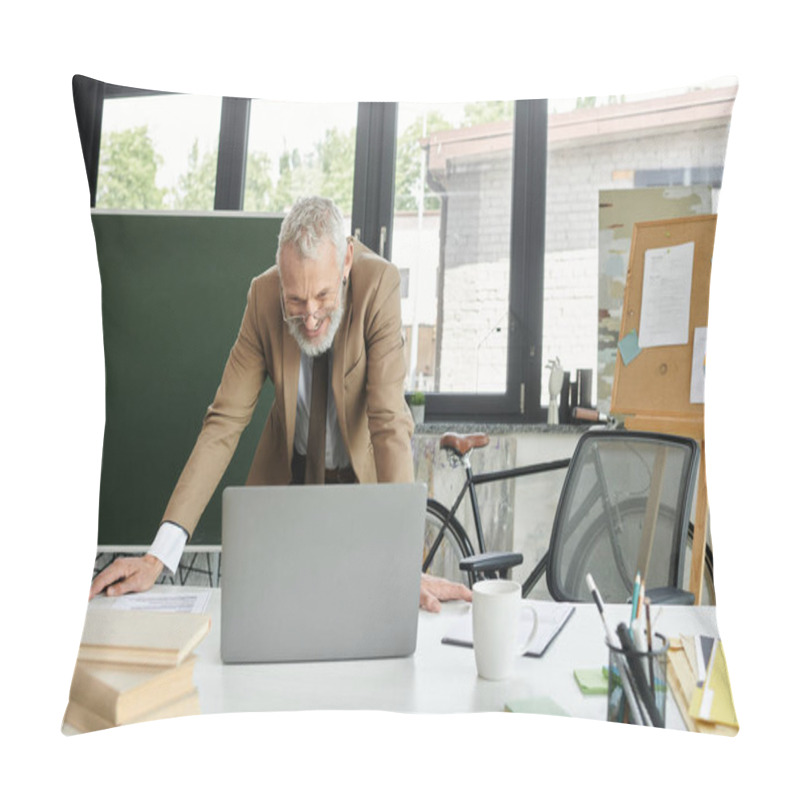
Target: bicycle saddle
x=462, y=444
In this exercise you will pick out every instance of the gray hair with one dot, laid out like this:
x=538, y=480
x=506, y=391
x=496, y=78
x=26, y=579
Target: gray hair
x=311, y=221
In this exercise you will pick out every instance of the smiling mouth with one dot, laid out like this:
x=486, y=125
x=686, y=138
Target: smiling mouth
x=314, y=333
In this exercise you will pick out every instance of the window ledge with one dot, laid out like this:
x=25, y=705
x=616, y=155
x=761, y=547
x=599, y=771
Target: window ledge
x=497, y=428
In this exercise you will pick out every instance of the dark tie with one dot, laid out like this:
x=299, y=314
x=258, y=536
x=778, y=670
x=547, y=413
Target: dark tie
x=315, y=447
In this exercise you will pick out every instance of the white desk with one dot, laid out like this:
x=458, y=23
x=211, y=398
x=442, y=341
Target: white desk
x=437, y=678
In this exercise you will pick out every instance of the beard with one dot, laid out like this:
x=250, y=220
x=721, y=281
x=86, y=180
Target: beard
x=316, y=348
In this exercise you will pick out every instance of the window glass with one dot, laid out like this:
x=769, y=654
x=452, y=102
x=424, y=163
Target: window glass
x=159, y=152
x=669, y=149
x=451, y=231
x=297, y=149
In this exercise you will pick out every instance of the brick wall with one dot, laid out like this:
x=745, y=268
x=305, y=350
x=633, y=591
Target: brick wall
x=575, y=176
x=477, y=250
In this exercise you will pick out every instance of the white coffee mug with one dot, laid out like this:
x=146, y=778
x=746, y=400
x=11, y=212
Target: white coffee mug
x=496, y=613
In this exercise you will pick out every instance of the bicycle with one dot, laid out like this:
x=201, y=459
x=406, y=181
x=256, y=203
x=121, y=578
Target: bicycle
x=447, y=543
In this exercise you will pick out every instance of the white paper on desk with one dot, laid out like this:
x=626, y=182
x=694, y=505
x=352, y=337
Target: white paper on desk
x=190, y=602
x=551, y=618
x=666, y=296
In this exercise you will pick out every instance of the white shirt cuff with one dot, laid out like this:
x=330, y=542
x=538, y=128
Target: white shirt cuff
x=168, y=545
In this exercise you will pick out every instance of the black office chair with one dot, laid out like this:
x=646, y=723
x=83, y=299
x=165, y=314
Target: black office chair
x=624, y=507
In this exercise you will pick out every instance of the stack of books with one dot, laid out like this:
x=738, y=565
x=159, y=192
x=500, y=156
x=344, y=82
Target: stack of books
x=134, y=666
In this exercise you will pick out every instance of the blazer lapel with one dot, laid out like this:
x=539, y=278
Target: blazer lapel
x=337, y=373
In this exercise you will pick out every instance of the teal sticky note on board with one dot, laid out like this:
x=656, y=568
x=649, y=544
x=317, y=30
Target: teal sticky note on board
x=629, y=347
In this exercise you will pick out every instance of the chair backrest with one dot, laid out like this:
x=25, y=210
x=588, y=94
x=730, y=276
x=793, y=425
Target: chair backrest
x=624, y=507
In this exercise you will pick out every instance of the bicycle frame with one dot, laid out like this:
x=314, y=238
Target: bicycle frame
x=599, y=491
x=471, y=482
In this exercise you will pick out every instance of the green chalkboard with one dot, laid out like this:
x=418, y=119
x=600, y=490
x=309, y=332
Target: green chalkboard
x=174, y=288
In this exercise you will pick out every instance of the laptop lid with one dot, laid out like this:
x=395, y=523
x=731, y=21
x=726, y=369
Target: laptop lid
x=317, y=573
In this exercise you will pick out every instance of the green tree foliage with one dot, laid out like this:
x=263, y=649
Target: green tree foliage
x=591, y=102
x=258, y=189
x=129, y=164
x=289, y=164
x=488, y=111
x=327, y=171
x=409, y=179
x=127, y=173
x=298, y=176
x=337, y=153
x=196, y=186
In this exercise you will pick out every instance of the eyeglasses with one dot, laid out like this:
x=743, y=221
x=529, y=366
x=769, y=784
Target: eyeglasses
x=319, y=316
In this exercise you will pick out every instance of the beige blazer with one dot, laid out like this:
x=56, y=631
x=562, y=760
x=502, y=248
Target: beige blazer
x=368, y=370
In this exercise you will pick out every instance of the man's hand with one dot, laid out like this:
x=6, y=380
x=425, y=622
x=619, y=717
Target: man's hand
x=433, y=589
x=127, y=575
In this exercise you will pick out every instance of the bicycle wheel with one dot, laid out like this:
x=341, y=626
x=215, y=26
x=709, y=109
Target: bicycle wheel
x=445, y=544
x=598, y=550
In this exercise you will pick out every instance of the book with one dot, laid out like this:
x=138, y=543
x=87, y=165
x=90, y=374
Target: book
x=84, y=720
x=122, y=692
x=153, y=638
x=551, y=619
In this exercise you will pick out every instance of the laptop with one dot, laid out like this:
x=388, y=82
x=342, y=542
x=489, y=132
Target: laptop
x=321, y=573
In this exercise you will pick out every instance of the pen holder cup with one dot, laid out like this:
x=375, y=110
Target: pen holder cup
x=637, y=684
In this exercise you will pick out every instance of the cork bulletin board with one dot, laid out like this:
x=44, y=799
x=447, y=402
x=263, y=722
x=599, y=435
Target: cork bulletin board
x=664, y=318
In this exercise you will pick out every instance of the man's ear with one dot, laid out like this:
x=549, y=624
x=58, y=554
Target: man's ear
x=348, y=262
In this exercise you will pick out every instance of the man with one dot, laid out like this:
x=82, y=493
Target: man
x=329, y=304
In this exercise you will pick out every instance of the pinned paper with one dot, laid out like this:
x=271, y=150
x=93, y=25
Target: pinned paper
x=629, y=347
x=697, y=386
x=666, y=296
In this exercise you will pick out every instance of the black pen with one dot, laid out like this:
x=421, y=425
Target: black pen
x=638, y=676
x=634, y=707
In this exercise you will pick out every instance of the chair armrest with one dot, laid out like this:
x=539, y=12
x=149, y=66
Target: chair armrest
x=670, y=596
x=483, y=562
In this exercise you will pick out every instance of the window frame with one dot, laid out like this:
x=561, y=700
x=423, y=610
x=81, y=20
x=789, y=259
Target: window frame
x=519, y=403
x=372, y=217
